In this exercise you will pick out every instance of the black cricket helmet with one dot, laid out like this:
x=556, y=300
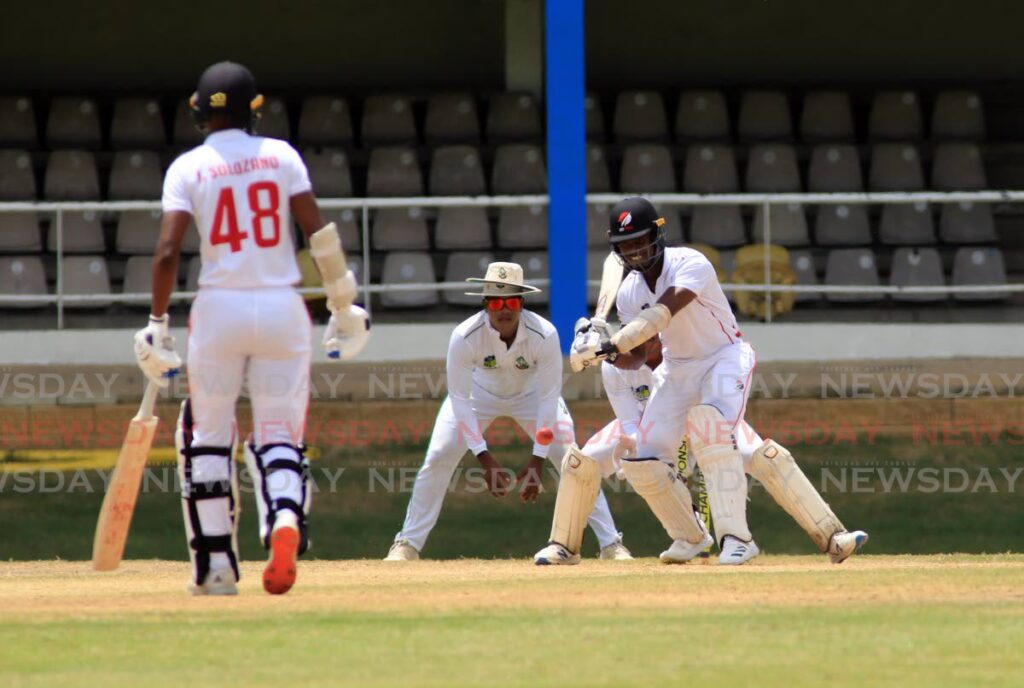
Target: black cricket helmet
x=228, y=88
x=632, y=218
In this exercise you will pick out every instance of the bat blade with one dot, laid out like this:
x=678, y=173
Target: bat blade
x=611, y=278
x=123, y=489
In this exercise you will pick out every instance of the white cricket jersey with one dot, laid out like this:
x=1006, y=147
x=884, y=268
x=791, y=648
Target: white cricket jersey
x=238, y=189
x=628, y=392
x=482, y=368
x=700, y=329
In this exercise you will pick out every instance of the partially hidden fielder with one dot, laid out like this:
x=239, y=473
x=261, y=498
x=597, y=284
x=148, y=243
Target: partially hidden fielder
x=247, y=324
x=700, y=391
x=503, y=361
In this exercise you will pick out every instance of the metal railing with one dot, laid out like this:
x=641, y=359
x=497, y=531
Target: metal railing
x=365, y=205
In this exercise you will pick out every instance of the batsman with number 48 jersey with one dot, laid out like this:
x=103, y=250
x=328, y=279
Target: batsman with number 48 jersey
x=247, y=324
x=701, y=393
x=503, y=361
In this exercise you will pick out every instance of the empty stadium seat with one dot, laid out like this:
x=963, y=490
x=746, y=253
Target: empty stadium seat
x=401, y=267
x=388, y=119
x=185, y=132
x=22, y=276
x=599, y=178
x=597, y=225
x=17, y=179
x=765, y=116
x=967, y=223
x=135, y=176
x=83, y=233
x=906, y=225
x=640, y=116
x=916, y=267
x=137, y=123
x=673, y=227
x=710, y=169
x=895, y=167
x=958, y=115
x=462, y=228
x=535, y=267
x=803, y=266
x=137, y=231
x=852, y=267
x=647, y=168
x=451, y=118
x=519, y=169
x=513, y=117
x=349, y=224
x=325, y=121
x=895, y=116
x=73, y=122
x=826, y=117
x=274, y=120
x=842, y=225
x=788, y=225
x=979, y=265
x=750, y=269
x=457, y=171
x=717, y=225
x=458, y=267
x=958, y=167
x=834, y=168
x=523, y=227
x=400, y=229
x=594, y=118
x=86, y=275
x=138, y=278
x=17, y=122
x=394, y=171
x=329, y=172
x=19, y=233
x=71, y=176
x=772, y=168
x=702, y=116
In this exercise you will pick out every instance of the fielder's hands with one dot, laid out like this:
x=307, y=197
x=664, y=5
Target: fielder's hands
x=347, y=332
x=154, y=351
x=530, y=479
x=496, y=476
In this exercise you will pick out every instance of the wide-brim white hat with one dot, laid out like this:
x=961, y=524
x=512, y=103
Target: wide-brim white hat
x=502, y=279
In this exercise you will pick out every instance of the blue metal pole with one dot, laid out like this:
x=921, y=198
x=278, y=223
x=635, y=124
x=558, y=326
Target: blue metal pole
x=566, y=149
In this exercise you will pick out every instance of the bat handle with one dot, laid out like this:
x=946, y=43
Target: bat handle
x=148, y=401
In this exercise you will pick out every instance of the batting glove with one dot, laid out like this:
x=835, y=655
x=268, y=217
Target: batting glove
x=347, y=332
x=154, y=351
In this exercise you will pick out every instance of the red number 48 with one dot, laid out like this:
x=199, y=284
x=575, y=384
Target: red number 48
x=264, y=202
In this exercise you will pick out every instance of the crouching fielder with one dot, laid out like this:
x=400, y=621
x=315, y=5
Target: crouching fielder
x=674, y=293
x=247, y=323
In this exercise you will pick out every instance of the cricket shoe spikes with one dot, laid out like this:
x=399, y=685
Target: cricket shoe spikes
x=218, y=582
x=735, y=551
x=279, y=575
x=555, y=554
x=682, y=551
x=844, y=544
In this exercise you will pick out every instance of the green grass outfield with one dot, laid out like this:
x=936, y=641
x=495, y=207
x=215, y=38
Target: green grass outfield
x=956, y=498
x=781, y=621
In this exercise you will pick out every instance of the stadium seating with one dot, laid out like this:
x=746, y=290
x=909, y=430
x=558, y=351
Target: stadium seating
x=513, y=117
x=764, y=116
x=979, y=266
x=702, y=116
x=710, y=169
x=462, y=229
x=325, y=121
x=83, y=233
x=842, y=225
x=535, y=267
x=851, y=267
x=827, y=117
x=639, y=116
x=788, y=225
x=597, y=225
x=73, y=122
x=137, y=123
x=138, y=278
x=523, y=227
x=750, y=270
x=519, y=169
x=967, y=223
x=274, y=122
x=451, y=118
x=402, y=267
x=185, y=135
x=457, y=171
x=594, y=118
x=17, y=180
x=349, y=224
x=895, y=116
x=958, y=116
x=388, y=119
x=772, y=168
x=17, y=122
x=957, y=167
x=907, y=225
x=329, y=172
x=394, y=171
x=85, y=275
x=895, y=167
x=458, y=267
x=834, y=168
x=802, y=262
x=71, y=175
x=599, y=178
x=19, y=233
x=717, y=225
x=400, y=229
x=647, y=168
x=22, y=276
x=135, y=176
x=916, y=267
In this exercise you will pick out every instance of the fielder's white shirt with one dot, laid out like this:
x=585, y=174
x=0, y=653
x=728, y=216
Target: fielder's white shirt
x=482, y=368
x=702, y=327
x=628, y=392
x=238, y=189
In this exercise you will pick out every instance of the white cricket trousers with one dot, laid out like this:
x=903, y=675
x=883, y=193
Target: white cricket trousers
x=259, y=336
x=448, y=446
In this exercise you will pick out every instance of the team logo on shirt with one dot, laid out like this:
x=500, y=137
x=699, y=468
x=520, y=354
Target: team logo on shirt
x=521, y=363
x=490, y=362
x=642, y=393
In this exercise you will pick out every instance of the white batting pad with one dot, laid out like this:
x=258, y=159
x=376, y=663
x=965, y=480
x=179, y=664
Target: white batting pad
x=714, y=446
x=667, y=496
x=578, y=487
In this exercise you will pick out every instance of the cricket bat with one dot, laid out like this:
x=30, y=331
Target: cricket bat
x=123, y=489
x=611, y=278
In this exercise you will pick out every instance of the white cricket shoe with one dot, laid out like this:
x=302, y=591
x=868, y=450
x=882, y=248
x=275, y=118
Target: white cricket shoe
x=401, y=550
x=554, y=553
x=682, y=551
x=735, y=551
x=842, y=545
x=218, y=582
x=616, y=551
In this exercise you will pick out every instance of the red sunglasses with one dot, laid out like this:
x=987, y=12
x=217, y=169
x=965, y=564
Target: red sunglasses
x=513, y=303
